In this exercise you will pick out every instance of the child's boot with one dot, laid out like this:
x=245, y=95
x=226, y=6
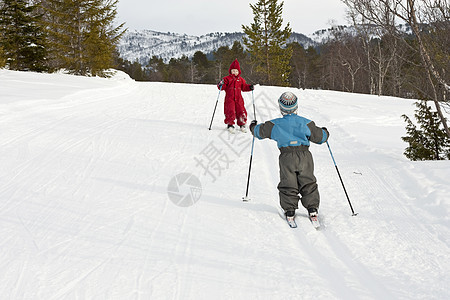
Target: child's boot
x=230, y=128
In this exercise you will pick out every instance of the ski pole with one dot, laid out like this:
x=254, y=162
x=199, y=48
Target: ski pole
x=254, y=109
x=345, y=191
x=246, y=198
x=217, y=101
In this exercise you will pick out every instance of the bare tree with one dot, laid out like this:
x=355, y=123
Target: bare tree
x=384, y=59
x=350, y=58
x=436, y=15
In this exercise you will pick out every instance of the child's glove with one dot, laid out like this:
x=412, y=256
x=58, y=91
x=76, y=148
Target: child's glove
x=220, y=83
x=252, y=87
x=252, y=125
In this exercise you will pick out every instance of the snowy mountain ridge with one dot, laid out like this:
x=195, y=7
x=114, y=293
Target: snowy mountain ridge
x=141, y=45
x=324, y=35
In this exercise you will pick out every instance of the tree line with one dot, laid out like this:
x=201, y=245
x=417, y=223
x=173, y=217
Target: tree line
x=47, y=35
x=348, y=62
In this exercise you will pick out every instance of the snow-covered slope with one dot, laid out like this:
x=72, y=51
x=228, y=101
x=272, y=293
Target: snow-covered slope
x=141, y=45
x=91, y=169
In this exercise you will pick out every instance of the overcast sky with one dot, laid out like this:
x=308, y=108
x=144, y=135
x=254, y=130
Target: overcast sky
x=198, y=17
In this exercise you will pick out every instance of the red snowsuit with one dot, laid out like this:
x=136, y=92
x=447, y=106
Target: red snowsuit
x=234, y=107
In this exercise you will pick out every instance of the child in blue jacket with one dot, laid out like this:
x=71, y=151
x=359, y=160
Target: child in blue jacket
x=293, y=135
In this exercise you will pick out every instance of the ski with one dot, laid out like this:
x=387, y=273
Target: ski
x=314, y=221
x=291, y=222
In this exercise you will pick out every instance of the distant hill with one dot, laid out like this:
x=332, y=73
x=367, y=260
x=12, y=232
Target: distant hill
x=324, y=35
x=141, y=45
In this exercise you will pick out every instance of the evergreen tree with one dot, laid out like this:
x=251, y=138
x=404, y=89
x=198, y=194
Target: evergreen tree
x=220, y=56
x=154, y=69
x=2, y=57
x=429, y=142
x=200, y=65
x=2, y=52
x=157, y=69
x=313, y=79
x=299, y=66
x=237, y=52
x=266, y=42
x=180, y=70
x=82, y=35
x=305, y=66
x=22, y=39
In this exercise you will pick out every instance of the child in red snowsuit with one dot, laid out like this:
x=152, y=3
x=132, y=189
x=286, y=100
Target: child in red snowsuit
x=234, y=107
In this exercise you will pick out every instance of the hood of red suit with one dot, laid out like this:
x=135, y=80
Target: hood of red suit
x=235, y=65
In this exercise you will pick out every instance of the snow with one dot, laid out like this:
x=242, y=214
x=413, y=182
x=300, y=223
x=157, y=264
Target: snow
x=87, y=173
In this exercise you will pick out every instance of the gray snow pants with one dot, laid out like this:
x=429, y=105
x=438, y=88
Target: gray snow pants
x=297, y=176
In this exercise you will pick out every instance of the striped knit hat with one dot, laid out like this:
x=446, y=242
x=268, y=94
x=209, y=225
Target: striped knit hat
x=288, y=103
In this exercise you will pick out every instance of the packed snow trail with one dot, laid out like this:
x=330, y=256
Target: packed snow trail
x=86, y=166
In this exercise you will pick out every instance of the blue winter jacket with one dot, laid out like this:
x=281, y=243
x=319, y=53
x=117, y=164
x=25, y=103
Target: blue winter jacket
x=290, y=131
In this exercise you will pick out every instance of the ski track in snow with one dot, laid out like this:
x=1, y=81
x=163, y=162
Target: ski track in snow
x=350, y=279
x=85, y=165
